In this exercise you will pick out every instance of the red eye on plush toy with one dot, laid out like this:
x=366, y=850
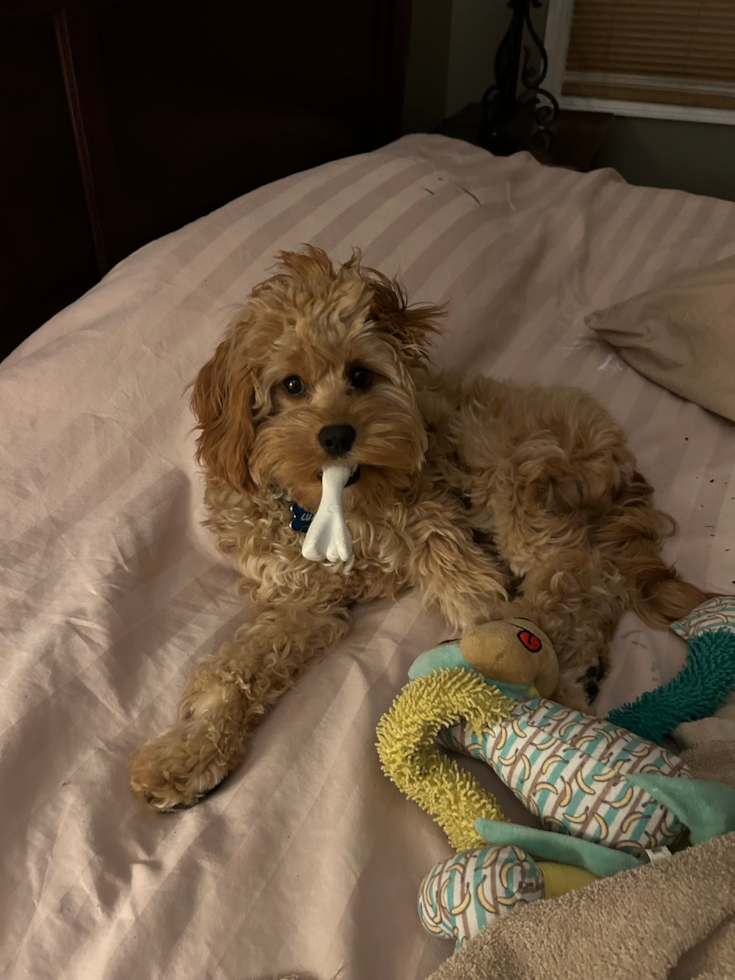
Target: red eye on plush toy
x=529, y=641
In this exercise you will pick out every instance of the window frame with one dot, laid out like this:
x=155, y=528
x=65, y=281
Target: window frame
x=556, y=42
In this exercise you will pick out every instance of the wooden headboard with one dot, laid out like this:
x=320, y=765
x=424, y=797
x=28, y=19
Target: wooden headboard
x=121, y=120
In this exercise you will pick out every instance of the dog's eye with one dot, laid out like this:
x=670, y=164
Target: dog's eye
x=294, y=386
x=360, y=377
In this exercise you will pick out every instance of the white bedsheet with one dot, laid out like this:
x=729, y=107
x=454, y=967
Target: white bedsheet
x=307, y=859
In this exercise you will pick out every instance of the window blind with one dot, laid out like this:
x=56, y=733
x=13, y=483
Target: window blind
x=680, y=52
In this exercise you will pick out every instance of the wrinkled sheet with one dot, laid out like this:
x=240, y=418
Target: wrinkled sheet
x=307, y=859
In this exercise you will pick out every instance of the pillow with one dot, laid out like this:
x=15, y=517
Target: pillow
x=681, y=335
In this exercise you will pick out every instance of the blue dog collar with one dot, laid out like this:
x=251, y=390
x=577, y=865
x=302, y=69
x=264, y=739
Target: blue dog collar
x=301, y=520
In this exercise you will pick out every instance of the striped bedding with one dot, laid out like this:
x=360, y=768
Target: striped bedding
x=307, y=859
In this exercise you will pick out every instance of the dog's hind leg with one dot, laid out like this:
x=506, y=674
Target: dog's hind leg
x=630, y=536
x=577, y=600
x=589, y=549
x=226, y=699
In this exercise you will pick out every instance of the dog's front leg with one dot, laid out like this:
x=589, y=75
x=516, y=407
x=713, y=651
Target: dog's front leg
x=455, y=576
x=227, y=697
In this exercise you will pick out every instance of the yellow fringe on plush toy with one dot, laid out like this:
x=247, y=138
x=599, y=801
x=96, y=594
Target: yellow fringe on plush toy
x=421, y=770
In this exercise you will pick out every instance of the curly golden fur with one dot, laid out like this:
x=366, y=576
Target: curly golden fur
x=492, y=499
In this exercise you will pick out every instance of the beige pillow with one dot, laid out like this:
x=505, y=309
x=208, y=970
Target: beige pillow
x=681, y=335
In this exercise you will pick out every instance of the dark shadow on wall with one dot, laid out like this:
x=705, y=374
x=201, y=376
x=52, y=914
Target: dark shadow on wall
x=690, y=156
x=425, y=98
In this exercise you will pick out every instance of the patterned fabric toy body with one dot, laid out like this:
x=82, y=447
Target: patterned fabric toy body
x=463, y=894
x=715, y=614
x=569, y=770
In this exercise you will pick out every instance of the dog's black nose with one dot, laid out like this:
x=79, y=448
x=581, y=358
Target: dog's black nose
x=337, y=439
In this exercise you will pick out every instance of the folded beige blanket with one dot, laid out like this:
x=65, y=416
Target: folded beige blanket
x=709, y=745
x=671, y=920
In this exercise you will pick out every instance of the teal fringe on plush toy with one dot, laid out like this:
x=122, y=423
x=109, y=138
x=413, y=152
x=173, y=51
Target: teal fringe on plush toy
x=698, y=689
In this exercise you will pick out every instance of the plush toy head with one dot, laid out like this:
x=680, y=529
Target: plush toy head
x=512, y=651
x=513, y=655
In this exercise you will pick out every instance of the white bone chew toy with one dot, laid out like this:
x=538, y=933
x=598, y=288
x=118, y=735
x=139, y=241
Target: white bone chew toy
x=328, y=536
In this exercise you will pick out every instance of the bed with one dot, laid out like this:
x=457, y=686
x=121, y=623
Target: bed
x=307, y=860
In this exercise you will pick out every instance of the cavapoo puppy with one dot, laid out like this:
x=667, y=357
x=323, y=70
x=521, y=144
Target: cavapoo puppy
x=493, y=499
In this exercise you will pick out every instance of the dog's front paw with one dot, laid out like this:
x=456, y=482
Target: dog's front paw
x=182, y=765
x=571, y=693
x=581, y=691
x=591, y=681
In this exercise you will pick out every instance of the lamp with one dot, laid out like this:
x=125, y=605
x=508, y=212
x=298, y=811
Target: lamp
x=508, y=119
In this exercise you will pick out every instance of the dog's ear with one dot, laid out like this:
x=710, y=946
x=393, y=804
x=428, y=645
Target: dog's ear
x=410, y=327
x=222, y=400
x=312, y=265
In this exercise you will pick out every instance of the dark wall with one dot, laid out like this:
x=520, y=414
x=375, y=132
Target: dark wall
x=128, y=118
x=690, y=156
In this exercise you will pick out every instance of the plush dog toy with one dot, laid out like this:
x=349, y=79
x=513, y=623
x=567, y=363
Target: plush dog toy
x=610, y=799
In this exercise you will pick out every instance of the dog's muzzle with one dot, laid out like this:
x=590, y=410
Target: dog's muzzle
x=337, y=440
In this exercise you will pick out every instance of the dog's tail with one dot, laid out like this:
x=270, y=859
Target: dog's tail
x=631, y=537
